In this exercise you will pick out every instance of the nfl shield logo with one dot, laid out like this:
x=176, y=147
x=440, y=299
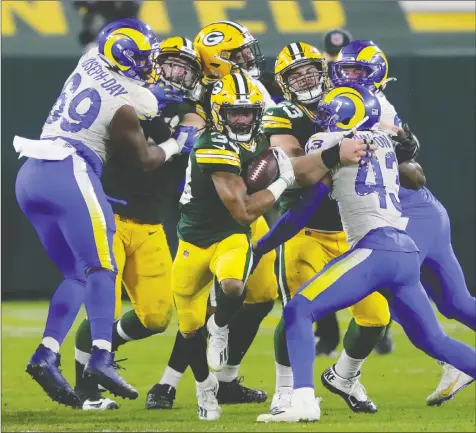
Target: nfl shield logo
x=186, y=253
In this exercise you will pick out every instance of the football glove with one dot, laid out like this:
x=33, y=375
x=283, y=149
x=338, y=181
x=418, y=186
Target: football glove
x=186, y=137
x=407, y=146
x=165, y=94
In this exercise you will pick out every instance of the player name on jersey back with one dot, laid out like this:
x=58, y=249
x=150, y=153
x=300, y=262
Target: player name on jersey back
x=96, y=71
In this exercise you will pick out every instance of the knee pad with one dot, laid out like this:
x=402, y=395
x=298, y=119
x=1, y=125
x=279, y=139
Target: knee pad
x=155, y=318
x=232, y=288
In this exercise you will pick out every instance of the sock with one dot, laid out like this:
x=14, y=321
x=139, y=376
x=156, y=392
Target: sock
x=103, y=344
x=280, y=346
x=284, y=376
x=227, y=306
x=244, y=326
x=82, y=350
x=205, y=383
x=179, y=358
x=198, y=355
x=63, y=309
x=51, y=343
x=298, y=322
x=347, y=367
x=99, y=302
x=171, y=377
x=228, y=374
x=129, y=328
x=359, y=341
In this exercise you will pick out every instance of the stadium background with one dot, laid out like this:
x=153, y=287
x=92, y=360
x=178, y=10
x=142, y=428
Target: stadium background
x=430, y=47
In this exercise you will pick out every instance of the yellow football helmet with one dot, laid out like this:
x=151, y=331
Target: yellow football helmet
x=226, y=45
x=301, y=73
x=237, y=106
x=180, y=63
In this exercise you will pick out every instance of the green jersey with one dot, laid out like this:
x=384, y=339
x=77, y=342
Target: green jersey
x=146, y=197
x=289, y=118
x=204, y=218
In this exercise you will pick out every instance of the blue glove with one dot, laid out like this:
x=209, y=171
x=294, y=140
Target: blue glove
x=256, y=258
x=165, y=94
x=186, y=136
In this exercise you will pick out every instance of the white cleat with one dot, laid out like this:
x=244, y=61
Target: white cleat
x=217, y=350
x=281, y=399
x=208, y=408
x=100, y=404
x=301, y=410
x=451, y=382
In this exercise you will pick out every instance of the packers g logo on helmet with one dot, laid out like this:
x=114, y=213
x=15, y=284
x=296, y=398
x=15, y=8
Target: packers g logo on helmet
x=237, y=106
x=301, y=73
x=130, y=47
x=180, y=63
x=345, y=108
x=225, y=46
x=361, y=62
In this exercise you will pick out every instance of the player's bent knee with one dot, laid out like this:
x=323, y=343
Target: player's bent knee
x=232, y=287
x=296, y=309
x=376, y=319
x=187, y=335
x=158, y=319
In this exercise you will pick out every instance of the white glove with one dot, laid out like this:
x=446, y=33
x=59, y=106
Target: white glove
x=286, y=171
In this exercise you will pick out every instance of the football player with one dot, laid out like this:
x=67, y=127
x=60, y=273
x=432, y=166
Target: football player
x=140, y=202
x=381, y=254
x=301, y=71
x=425, y=220
x=214, y=228
x=59, y=191
x=227, y=46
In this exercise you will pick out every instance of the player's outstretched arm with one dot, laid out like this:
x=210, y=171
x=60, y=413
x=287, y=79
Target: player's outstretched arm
x=411, y=175
x=128, y=140
x=312, y=167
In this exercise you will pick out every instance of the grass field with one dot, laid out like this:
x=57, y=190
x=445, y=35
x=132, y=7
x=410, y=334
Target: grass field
x=398, y=383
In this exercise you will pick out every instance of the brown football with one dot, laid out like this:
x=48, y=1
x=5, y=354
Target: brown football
x=262, y=172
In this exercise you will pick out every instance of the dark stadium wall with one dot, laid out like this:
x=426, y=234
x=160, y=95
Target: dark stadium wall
x=435, y=97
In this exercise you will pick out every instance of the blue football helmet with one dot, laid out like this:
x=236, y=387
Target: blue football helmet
x=130, y=47
x=345, y=108
x=362, y=63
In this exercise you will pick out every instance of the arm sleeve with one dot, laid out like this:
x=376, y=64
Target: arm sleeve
x=293, y=220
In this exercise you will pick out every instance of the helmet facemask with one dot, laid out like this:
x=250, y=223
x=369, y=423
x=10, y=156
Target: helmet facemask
x=180, y=71
x=304, y=81
x=356, y=72
x=240, y=121
x=248, y=57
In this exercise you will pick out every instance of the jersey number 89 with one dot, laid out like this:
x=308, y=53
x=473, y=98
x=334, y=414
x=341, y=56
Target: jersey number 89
x=69, y=101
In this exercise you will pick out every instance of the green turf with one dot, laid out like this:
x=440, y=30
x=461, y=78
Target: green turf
x=398, y=383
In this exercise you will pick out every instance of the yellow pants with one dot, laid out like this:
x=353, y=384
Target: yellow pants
x=144, y=265
x=303, y=256
x=195, y=267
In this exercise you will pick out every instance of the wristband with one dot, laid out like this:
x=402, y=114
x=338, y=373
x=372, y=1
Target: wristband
x=331, y=157
x=277, y=188
x=170, y=147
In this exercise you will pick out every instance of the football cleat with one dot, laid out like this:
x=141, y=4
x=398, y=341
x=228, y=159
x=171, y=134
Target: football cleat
x=281, y=399
x=102, y=369
x=91, y=398
x=451, y=382
x=217, y=350
x=235, y=393
x=351, y=390
x=43, y=367
x=160, y=396
x=302, y=411
x=208, y=408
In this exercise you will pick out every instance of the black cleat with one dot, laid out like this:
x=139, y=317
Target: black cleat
x=351, y=390
x=385, y=344
x=43, y=367
x=160, y=396
x=235, y=393
x=101, y=368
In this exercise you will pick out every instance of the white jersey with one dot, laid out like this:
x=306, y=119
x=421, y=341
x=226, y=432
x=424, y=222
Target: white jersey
x=90, y=98
x=389, y=114
x=367, y=195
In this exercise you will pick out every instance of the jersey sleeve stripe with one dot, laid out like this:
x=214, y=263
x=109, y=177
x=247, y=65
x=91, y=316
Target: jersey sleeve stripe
x=200, y=152
x=212, y=155
x=268, y=118
x=272, y=125
x=219, y=161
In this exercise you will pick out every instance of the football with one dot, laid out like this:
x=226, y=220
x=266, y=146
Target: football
x=262, y=172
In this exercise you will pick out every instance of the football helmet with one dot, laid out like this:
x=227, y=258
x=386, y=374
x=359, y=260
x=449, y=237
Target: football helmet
x=237, y=106
x=130, y=47
x=301, y=73
x=225, y=46
x=362, y=63
x=180, y=63
x=345, y=108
